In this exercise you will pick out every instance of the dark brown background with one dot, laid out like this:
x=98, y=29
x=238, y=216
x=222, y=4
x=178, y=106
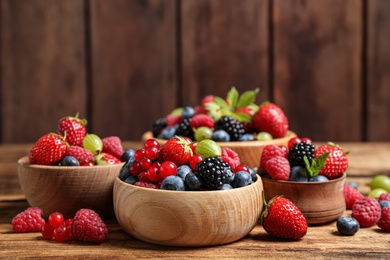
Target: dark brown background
x=123, y=63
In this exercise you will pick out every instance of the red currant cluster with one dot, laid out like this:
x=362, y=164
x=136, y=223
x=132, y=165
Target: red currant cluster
x=57, y=227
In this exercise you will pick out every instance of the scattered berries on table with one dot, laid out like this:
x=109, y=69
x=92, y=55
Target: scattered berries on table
x=384, y=221
x=347, y=226
x=89, y=227
x=351, y=195
x=29, y=220
x=366, y=211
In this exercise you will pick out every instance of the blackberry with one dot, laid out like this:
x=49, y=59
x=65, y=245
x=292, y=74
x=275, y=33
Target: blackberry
x=184, y=128
x=298, y=151
x=212, y=172
x=158, y=125
x=234, y=128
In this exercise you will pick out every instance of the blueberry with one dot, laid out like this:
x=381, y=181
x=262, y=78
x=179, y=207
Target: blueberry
x=246, y=137
x=353, y=184
x=124, y=173
x=127, y=154
x=172, y=182
x=70, y=161
x=183, y=170
x=385, y=203
x=229, y=174
x=252, y=173
x=226, y=186
x=298, y=173
x=347, y=225
x=168, y=132
x=241, y=179
x=187, y=112
x=318, y=178
x=193, y=182
x=131, y=179
x=263, y=174
x=220, y=136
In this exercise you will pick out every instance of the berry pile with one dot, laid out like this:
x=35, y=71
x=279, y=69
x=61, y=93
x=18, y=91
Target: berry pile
x=235, y=118
x=86, y=225
x=73, y=146
x=301, y=161
x=181, y=164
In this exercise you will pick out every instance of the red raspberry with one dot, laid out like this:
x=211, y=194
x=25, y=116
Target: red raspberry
x=231, y=157
x=113, y=145
x=89, y=227
x=366, y=211
x=202, y=120
x=146, y=184
x=384, y=196
x=271, y=151
x=81, y=154
x=351, y=195
x=384, y=221
x=278, y=168
x=29, y=220
x=172, y=119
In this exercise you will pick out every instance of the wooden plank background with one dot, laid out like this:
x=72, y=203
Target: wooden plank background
x=123, y=63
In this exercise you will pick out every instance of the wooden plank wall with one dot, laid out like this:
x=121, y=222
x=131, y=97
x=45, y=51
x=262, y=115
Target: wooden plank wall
x=124, y=63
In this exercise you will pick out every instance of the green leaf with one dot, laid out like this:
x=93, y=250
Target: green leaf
x=220, y=102
x=314, y=166
x=247, y=98
x=242, y=117
x=232, y=97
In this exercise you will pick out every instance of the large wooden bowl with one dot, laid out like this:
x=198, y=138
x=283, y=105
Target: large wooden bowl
x=66, y=189
x=187, y=218
x=319, y=202
x=249, y=152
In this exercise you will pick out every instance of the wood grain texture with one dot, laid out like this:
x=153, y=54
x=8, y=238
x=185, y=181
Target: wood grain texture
x=224, y=44
x=317, y=76
x=42, y=66
x=378, y=78
x=133, y=65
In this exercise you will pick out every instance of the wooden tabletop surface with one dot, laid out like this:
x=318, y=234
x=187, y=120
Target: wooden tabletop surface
x=323, y=241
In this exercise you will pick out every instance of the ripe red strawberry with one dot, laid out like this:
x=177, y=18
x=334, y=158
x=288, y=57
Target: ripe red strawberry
x=80, y=153
x=113, y=145
x=282, y=218
x=177, y=150
x=202, y=120
x=351, y=195
x=367, y=211
x=384, y=221
x=278, y=168
x=73, y=129
x=271, y=151
x=336, y=162
x=48, y=150
x=271, y=118
x=231, y=157
x=106, y=158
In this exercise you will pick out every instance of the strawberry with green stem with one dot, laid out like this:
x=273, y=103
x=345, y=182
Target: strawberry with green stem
x=177, y=150
x=73, y=129
x=48, y=150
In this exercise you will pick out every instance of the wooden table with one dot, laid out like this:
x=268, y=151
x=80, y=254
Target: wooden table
x=322, y=242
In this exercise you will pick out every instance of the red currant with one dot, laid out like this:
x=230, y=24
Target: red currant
x=61, y=233
x=145, y=163
x=292, y=142
x=307, y=140
x=135, y=168
x=139, y=155
x=47, y=231
x=143, y=176
x=195, y=159
x=153, y=174
x=86, y=163
x=151, y=143
x=151, y=153
x=242, y=167
x=56, y=219
x=167, y=168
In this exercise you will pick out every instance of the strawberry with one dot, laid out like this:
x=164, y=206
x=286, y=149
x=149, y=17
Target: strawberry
x=271, y=151
x=73, y=129
x=177, y=150
x=202, y=120
x=336, y=163
x=351, y=195
x=231, y=157
x=113, y=145
x=106, y=158
x=80, y=153
x=278, y=168
x=271, y=118
x=48, y=150
x=282, y=218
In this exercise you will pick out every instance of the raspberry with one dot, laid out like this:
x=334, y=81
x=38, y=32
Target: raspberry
x=146, y=184
x=366, y=211
x=172, y=119
x=113, y=145
x=384, y=196
x=384, y=221
x=29, y=220
x=81, y=154
x=278, y=168
x=351, y=195
x=269, y=152
x=89, y=227
x=202, y=120
x=231, y=157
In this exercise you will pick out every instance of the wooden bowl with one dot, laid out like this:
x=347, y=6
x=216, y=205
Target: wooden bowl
x=187, y=218
x=249, y=152
x=66, y=189
x=320, y=202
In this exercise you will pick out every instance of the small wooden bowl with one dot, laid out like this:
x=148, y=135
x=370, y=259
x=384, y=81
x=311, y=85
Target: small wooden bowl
x=187, y=218
x=67, y=189
x=319, y=202
x=249, y=152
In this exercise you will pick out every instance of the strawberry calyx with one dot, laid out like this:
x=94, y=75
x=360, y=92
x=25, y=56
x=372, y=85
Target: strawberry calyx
x=186, y=145
x=76, y=118
x=63, y=138
x=267, y=205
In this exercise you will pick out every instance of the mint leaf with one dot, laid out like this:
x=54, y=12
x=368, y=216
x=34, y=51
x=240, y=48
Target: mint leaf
x=247, y=98
x=220, y=102
x=314, y=166
x=242, y=117
x=232, y=97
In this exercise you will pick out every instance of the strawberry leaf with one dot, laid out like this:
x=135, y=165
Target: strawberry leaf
x=232, y=97
x=247, y=98
x=220, y=102
x=314, y=166
x=242, y=117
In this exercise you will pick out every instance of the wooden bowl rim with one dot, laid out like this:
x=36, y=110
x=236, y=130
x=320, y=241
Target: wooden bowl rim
x=148, y=135
x=342, y=177
x=25, y=162
x=194, y=193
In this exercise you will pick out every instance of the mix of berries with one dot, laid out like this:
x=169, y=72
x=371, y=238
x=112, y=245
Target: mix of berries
x=235, y=118
x=180, y=164
x=73, y=146
x=86, y=225
x=301, y=161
